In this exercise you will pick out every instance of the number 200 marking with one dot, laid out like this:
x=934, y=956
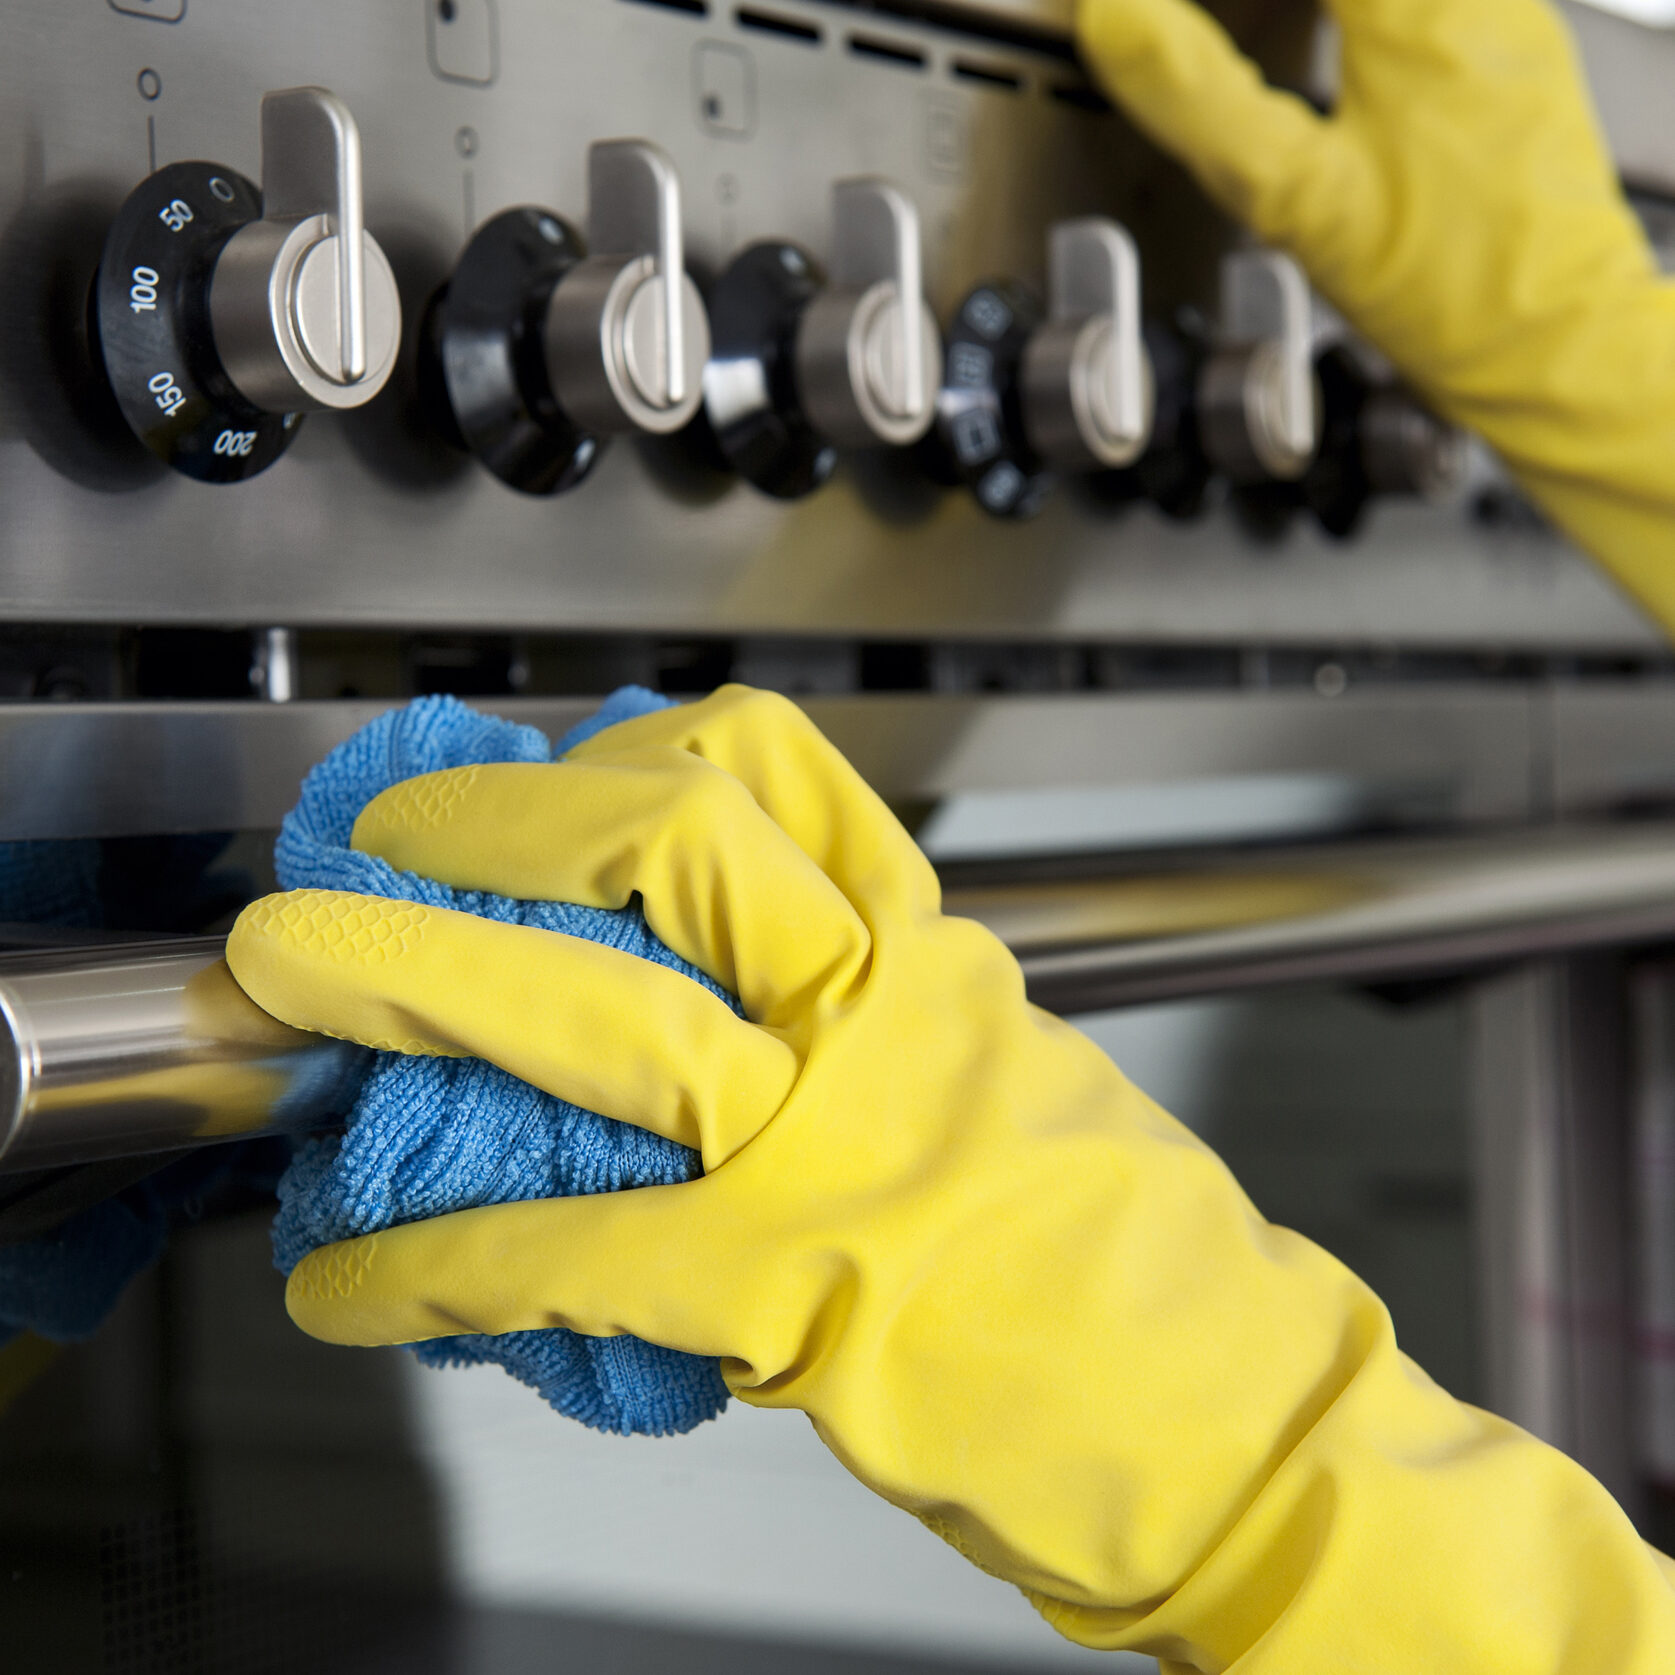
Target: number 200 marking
x=235, y=444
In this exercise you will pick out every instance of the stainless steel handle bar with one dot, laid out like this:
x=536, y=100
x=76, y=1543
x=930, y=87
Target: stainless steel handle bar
x=113, y=1051
x=1352, y=912
x=147, y=1047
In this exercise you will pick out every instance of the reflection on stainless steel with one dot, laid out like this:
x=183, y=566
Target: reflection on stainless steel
x=152, y=1046
x=1354, y=912
x=1443, y=752
x=368, y=523
x=1552, y=1061
x=148, y=1047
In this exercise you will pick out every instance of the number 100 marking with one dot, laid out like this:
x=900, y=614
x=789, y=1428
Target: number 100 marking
x=142, y=293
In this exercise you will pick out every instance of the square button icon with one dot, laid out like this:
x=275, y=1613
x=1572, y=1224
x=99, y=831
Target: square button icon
x=725, y=83
x=463, y=38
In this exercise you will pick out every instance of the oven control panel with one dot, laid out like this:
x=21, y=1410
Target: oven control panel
x=690, y=315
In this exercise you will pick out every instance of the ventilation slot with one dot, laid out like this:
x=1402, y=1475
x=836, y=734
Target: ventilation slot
x=1080, y=98
x=969, y=21
x=770, y=23
x=986, y=75
x=691, y=8
x=887, y=52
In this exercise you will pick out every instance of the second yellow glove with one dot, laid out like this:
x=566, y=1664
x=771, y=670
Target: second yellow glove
x=1460, y=209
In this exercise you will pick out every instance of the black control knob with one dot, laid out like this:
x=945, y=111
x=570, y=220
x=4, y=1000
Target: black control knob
x=1238, y=401
x=223, y=314
x=1376, y=438
x=537, y=351
x=979, y=410
x=803, y=363
x=1026, y=395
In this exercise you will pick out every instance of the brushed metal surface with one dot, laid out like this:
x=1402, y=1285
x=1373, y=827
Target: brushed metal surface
x=131, y=1048
x=364, y=521
x=1553, y=1067
x=134, y=1048
x=1359, y=914
x=1453, y=754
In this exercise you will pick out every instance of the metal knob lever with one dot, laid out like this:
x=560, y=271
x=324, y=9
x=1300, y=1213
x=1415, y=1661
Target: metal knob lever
x=626, y=333
x=868, y=357
x=1086, y=377
x=1257, y=400
x=303, y=305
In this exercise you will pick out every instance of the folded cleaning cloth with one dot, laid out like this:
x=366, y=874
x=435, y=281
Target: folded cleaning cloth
x=429, y=1135
x=61, y=1285
x=50, y=882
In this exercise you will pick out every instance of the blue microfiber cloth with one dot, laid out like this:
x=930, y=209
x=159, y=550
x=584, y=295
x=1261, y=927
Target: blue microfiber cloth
x=50, y=882
x=62, y=1284
x=430, y=1135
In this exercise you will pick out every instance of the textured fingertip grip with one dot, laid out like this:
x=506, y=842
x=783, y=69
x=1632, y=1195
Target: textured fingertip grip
x=333, y=1271
x=328, y=1297
x=330, y=924
x=297, y=955
x=324, y=1282
x=415, y=805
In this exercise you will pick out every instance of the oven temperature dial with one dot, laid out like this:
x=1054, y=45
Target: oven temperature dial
x=537, y=350
x=224, y=313
x=1025, y=396
x=1376, y=438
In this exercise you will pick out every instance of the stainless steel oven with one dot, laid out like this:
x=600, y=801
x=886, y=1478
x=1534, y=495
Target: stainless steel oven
x=1013, y=537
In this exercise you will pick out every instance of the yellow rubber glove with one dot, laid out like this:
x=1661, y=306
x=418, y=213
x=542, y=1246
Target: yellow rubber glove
x=1461, y=211
x=1012, y=1294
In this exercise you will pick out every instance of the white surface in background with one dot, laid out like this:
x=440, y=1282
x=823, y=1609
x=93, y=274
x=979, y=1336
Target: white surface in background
x=745, y=1526
x=1237, y=808
x=1658, y=14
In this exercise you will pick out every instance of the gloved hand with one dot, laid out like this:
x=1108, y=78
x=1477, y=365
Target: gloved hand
x=1012, y=1294
x=1460, y=209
